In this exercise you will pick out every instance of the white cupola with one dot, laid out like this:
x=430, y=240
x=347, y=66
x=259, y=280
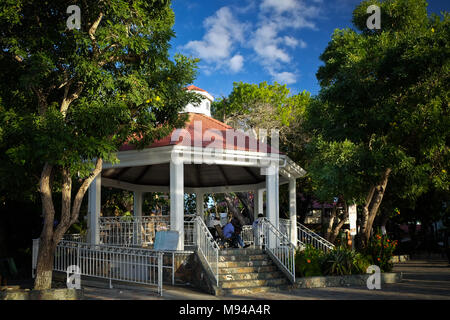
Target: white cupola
x=205, y=106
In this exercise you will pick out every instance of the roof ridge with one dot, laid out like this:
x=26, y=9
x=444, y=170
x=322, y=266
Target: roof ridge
x=216, y=121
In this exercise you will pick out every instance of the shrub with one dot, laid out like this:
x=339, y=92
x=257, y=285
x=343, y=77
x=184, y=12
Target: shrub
x=343, y=261
x=308, y=261
x=380, y=250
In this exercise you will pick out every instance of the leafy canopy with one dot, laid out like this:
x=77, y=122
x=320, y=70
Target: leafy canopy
x=68, y=96
x=385, y=92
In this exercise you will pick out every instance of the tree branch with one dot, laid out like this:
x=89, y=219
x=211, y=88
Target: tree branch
x=92, y=31
x=83, y=188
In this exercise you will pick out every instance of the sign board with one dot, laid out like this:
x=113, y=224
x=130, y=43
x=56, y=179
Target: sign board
x=223, y=218
x=166, y=240
x=352, y=217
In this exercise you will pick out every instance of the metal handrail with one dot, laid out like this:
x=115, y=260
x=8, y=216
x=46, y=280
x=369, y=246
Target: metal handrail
x=278, y=246
x=208, y=247
x=307, y=236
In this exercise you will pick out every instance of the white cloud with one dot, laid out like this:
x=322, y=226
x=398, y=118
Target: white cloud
x=279, y=5
x=290, y=41
x=266, y=44
x=271, y=41
x=224, y=31
x=285, y=77
x=236, y=63
x=269, y=37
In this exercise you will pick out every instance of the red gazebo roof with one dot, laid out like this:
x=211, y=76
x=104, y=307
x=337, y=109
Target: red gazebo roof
x=192, y=87
x=212, y=133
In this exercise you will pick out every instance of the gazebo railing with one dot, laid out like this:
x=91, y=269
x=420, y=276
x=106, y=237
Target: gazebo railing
x=207, y=247
x=278, y=246
x=305, y=236
x=130, y=231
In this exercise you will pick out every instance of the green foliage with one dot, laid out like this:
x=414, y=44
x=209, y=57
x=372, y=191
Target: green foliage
x=308, y=262
x=343, y=261
x=383, y=104
x=126, y=87
x=339, y=261
x=380, y=250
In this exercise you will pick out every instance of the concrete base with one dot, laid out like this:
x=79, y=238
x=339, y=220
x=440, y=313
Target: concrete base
x=344, y=281
x=400, y=258
x=51, y=294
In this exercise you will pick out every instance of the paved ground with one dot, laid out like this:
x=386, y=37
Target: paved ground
x=422, y=279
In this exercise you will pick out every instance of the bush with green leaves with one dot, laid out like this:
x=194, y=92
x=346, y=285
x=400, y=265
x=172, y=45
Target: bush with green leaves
x=343, y=261
x=380, y=250
x=308, y=261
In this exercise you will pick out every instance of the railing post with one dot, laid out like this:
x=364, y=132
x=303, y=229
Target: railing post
x=160, y=273
x=173, y=268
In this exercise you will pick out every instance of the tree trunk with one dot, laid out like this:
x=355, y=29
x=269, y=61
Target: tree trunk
x=373, y=202
x=44, y=268
x=46, y=247
x=331, y=223
x=50, y=237
x=338, y=227
x=234, y=211
x=248, y=206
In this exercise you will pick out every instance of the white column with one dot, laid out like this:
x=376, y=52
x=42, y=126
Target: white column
x=277, y=201
x=137, y=212
x=137, y=203
x=94, y=205
x=177, y=200
x=200, y=204
x=293, y=210
x=258, y=202
x=271, y=200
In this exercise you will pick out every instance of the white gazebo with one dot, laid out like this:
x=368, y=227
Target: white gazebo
x=206, y=156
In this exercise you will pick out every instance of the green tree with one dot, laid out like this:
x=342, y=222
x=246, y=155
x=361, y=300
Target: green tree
x=386, y=91
x=251, y=107
x=71, y=98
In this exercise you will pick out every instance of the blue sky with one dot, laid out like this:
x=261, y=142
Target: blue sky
x=261, y=40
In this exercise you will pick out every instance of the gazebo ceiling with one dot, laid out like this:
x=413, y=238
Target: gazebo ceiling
x=195, y=175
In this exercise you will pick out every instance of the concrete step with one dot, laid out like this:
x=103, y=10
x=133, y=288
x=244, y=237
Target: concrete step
x=241, y=251
x=251, y=276
x=241, y=264
x=251, y=290
x=253, y=283
x=242, y=257
x=249, y=269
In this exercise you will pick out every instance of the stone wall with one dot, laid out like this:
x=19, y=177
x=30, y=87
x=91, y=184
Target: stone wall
x=344, y=281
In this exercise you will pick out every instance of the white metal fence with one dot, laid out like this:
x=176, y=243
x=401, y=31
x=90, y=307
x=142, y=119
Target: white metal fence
x=307, y=236
x=278, y=246
x=207, y=247
x=130, y=231
x=132, y=265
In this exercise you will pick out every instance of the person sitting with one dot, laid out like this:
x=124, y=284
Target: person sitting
x=237, y=233
x=231, y=231
x=228, y=231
